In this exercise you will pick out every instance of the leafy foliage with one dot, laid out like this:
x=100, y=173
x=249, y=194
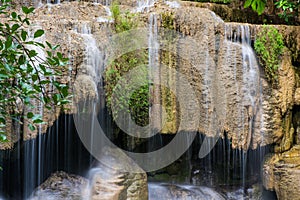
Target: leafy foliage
x=123, y=22
x=26, y=77
x=139, y=100
x=290, y=9
x=269, y=47
x=256, y=5
x=215, y=1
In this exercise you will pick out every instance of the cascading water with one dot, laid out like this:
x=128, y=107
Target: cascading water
x=143, y=5
x=244, y=81
x=94, y=63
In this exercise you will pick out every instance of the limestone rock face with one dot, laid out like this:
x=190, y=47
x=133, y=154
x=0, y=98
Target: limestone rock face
x=297, y=96
x=231, y=96
x=268, y=171
x=116, y=178
x=282, y=174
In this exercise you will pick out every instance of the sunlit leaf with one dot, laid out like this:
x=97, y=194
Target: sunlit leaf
x=38, y=33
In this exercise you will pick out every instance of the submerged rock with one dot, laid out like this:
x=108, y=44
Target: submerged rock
x=182, y=192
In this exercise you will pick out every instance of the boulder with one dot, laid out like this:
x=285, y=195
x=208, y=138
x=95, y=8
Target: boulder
x=117, y=177
x=61, y=185
x=282, y=174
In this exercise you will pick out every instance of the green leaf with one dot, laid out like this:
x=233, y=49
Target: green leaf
x=3, y=137
x=65, y=91
x=30, y=115
x=24, y=35
x=59, y=55
x=49, y=53
x=247, y=3
x=27, y=100
x=44, y=82
x=2, y=120
x=37, y=119
x=31, y=127
x=55, y=47
x=27, y=10
x=26, y=20
x=22, y=60
x=254, y=5
x=37, y=88
x=261, y=7
x=30, y=42
x=31, y=9
x=29, y=68
x=8, y=42
x=32, y=53
x=46, y=100
x=42, y=67
x=38, y=33
x=49, y=45
x=15, y=27
x=14, y=15
x=34, y=77
x=40, y=44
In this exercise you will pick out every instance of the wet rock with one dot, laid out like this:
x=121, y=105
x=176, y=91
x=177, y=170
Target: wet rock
x=117, y=177
x=268, y=173
x=59, y=186
x=282, y=174
x=182, y=192
x=297, y=96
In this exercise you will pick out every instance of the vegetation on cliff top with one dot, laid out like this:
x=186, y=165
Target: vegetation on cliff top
x=288, y=10
x=269, y=48
x=27, y=78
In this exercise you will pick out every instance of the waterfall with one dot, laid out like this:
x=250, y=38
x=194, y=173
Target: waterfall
x=94, y=63
x=144, y=5
x=31, y=164
x=105, y=19
x=246, y=86
x=246, y=76
x=92, y=69
x=173, y=4
x=153, y=55
x=155, y=113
